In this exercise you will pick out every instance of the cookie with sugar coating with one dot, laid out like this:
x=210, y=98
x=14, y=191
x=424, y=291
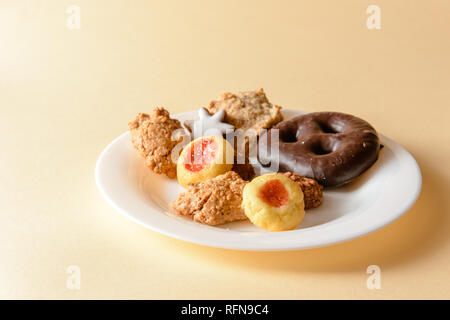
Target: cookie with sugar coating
x=273, y=202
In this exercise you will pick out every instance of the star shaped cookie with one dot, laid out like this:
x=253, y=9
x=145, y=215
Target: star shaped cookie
x=208, y=125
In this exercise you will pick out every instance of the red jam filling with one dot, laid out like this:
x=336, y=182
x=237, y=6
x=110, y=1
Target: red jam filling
x=274, y=193
x=200, y=154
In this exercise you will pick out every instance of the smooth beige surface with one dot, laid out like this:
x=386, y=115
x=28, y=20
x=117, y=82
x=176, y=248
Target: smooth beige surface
x=65, y=94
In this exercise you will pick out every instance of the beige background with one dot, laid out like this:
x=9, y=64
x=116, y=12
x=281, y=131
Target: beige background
x=65, y=94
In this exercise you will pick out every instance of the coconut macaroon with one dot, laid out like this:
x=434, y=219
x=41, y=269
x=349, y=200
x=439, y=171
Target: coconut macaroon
x=152, y=136
x=273, y=202
x=213, y=201
x=204, y=158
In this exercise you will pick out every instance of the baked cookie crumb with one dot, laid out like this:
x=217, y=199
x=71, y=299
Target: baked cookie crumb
x=312, y=190
x=215, y=201
x=247, y=110
x=151, y=135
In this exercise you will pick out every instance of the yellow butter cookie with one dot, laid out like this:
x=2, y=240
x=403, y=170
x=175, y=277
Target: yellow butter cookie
x=273, y=202
x=204, y=158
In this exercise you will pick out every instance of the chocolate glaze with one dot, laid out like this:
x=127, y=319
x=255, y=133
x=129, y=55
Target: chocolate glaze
x=331, y=147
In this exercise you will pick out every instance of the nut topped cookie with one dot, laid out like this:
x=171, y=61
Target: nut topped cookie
x=151, y=135
x=312, y=190
x=247, y=110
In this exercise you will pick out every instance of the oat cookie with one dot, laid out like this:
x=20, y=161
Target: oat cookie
x=151, y=135
x=214, y=201
x=247, y=110
x=312, y=190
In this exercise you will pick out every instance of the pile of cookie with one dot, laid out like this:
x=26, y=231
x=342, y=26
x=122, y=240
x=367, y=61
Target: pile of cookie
x=316, y=150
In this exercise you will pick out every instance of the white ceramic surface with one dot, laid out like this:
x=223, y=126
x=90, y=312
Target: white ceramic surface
x=376, y=198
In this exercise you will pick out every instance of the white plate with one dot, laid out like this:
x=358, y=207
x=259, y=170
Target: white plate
x=376, y=198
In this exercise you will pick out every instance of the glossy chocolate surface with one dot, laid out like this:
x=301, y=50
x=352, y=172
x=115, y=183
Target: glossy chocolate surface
x=331, y=147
